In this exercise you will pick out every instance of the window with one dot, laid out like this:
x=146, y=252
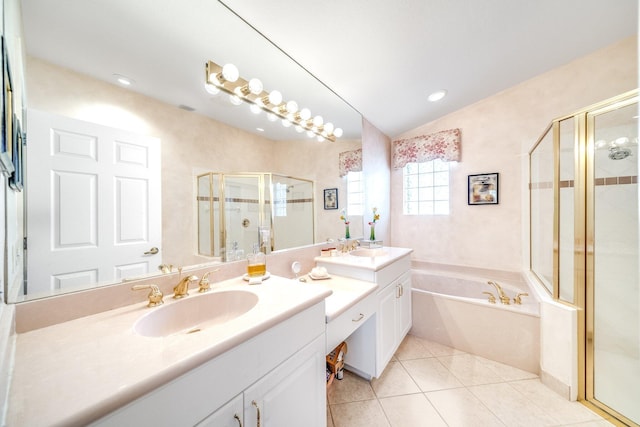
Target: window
x=426, y=188
x=355, y=193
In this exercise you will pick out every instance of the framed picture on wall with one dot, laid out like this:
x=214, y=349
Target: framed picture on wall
x=331, y=198
x=6, y=115
x=483, y=189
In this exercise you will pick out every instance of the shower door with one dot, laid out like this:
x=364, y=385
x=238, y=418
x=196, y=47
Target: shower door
x=613, y=289
x=243, y=200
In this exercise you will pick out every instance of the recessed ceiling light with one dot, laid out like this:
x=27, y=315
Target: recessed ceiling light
x=260, y=129
x=437, y=96
x=123, y=80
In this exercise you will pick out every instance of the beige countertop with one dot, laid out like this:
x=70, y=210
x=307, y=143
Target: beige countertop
x=346, y=293
x=390, y=254
x=77, y=371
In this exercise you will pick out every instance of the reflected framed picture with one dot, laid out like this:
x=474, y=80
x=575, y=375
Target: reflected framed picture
x=6, y=117
x=331, y=198
x=483, y=189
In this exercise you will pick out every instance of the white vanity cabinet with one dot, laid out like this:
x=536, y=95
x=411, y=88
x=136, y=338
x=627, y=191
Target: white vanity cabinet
x=230, y=415
x=292, y=394
x=372, y=345
x=282, y=370
x=394, y=319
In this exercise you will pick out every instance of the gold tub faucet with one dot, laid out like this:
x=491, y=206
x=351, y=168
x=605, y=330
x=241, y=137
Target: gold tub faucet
x=504, y=299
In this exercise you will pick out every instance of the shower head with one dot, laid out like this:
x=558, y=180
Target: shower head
x=619, y=153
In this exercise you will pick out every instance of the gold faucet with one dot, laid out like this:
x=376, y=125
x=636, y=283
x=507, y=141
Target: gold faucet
x=204, y=285
x=182, y=288
x=155, y=295
x=518, y=300
x=504, y=299
x=492, y=298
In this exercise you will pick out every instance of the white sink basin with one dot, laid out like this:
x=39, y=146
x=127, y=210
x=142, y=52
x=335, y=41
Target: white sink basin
x=194, y=313
x=368, y=252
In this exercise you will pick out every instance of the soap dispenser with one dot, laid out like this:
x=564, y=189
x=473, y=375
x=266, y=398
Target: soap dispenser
x=257, y=262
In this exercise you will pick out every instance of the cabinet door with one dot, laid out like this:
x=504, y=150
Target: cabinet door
x=293, y=394
x=230, y=415
x=387, y=328
x=404, y=309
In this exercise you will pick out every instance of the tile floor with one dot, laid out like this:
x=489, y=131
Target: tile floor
x=428, y=384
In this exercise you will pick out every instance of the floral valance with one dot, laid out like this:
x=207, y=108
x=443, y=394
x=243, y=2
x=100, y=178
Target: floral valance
x=350, y=161
x=444, y=145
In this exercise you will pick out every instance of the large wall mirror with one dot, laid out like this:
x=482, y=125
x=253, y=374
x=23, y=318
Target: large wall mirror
x=73, y=53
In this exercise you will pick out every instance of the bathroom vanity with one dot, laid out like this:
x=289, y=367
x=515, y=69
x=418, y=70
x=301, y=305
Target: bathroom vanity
x=375, y=326
x=100, y=370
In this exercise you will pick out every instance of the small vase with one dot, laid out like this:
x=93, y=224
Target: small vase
x=347, y=234
x=372, y=232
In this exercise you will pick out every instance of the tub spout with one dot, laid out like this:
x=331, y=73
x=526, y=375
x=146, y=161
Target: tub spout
x=504, y=299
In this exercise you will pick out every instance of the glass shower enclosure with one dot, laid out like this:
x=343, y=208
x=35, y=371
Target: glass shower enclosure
x=585, y=243
x=238, y=210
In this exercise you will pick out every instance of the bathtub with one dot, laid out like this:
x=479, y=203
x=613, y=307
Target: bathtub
x=452, y=310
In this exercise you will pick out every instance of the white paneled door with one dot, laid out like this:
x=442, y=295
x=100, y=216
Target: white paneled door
x=93, y=202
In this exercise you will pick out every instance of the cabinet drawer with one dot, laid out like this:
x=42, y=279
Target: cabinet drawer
x=342, y=326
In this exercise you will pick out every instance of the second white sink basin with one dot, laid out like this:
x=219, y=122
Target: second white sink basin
x=194, y=313
x=369, y=252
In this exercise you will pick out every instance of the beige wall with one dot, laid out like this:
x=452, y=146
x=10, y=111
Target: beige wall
x=376, y=161
x=191, y=144
x=497, y=133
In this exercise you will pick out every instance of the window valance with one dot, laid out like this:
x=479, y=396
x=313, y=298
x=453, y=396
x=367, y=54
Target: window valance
x=444, y=145
x=350, y=161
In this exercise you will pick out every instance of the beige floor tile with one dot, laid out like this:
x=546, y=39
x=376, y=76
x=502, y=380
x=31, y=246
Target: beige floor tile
x=598, y=423
x=351, y=388
x=508, y=373
x=470, y=369
x=430, y=374
x=365, y=413
x=329, y=419
x=438, y=349
x=413, y=348
x=458, y=407
x=511, y=406
x=394, y=381
x=412, y=410
x=563, y=410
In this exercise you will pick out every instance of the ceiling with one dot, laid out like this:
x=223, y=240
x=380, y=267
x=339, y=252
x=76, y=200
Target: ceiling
x=383, y=60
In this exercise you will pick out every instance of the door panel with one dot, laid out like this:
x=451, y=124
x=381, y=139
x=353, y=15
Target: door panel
x=94, y=200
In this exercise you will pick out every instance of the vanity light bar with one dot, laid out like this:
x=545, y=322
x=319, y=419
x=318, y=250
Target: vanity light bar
x=228, y=79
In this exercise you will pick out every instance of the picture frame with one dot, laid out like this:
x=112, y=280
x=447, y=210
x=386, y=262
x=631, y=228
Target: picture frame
x=6, y=117
x=330, y=198
x=16, y=180
x=482, y=189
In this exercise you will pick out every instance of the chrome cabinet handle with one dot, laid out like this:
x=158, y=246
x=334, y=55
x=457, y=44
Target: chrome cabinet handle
x=237, y=419
x=152, y=251
x=359, y=318
x=253, y=402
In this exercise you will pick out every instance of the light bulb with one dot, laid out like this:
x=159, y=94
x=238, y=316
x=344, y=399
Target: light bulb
x=320, y=138
x=275, y=97
x=318, y=121
x=286, y=123
x=235, y=99
x=328, y=127
x=255, y=109
x=255, y=86
x=305, y=114
x=292, y=107
x=437, y=96
x=230, y=73
x=299, y=129
x=337, y=132
x=310, y=133
x=272, y=117
x=212, y=89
